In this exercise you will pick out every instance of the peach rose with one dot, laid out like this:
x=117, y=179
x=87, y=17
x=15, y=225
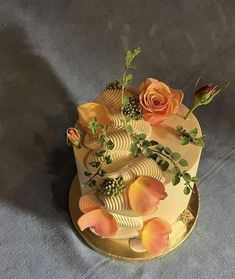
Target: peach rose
x=158, y=100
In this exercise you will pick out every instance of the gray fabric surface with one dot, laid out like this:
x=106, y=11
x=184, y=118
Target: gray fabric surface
x=54, y=54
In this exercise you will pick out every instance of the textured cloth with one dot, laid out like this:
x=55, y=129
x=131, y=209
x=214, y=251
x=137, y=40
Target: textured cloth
x=55, y=54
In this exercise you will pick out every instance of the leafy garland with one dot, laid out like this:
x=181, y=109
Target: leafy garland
x=99, y=132
x=162, y=155
x=190, y=137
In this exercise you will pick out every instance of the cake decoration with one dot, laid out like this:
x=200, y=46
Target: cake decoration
x=205, y=94
x=136, y=166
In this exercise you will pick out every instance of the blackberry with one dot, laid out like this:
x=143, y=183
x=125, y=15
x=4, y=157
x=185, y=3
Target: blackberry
x=114, y=85
x=133, y=109
x=112, y=186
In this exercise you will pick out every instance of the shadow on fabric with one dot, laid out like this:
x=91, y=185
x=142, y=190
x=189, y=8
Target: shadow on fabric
x=35, y=109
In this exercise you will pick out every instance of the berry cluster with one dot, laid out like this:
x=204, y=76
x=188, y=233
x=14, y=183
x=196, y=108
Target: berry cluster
x=133, y=109
x=112, y=186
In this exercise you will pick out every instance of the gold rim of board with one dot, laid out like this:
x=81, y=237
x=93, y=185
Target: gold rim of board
x=120, y=249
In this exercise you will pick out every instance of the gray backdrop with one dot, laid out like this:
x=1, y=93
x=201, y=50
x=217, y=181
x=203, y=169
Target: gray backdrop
x=57, y=53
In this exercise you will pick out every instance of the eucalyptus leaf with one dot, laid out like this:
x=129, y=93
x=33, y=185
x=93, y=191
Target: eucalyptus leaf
x=175, y=180
x=193, y=132
x=186, y=190
x=167, y=150
x=186, y=176
x=101, y=172
x=175, y=156
x=153, y=142
x=110, y=145
x=183, y=162
x=195, y=179
x=146, y=143
x=184, y=140
x=100, y=153
x=175, y=170
x=95, y=164
x=142, y=136
x=87, y=173
x=179, y=128
x=164, y=165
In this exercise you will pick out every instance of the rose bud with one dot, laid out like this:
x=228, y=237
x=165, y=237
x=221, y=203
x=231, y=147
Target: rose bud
x=73, y=137
x=205, y=95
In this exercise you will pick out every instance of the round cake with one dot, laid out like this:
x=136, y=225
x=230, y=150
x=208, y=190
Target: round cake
x=137, y=195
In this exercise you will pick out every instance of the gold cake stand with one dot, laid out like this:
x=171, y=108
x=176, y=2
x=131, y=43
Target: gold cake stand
x=120, y=249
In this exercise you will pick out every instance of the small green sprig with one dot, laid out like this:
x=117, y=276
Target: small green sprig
x=127, y=78
x=99, y=131
x=162, y=155
x=190, y=137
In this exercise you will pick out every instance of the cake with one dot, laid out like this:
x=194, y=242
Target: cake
x=137, y=151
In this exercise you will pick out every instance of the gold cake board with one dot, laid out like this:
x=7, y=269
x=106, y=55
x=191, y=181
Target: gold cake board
x=120, y=249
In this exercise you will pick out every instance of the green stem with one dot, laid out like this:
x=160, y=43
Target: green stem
x=190, y=111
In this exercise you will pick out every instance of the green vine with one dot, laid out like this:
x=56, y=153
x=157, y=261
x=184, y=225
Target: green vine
x=99, y=132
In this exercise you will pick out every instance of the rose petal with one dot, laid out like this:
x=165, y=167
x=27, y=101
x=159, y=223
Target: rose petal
x=178, y=94
x=153, y=119
x=145, y=194
x=100, y=220
x=155, y=235
x=88, y=111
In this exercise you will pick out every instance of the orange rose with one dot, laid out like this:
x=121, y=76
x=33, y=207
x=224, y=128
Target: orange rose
x=158, y=100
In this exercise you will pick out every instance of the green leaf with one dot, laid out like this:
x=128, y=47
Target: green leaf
x=193, y=133
x=136, y=52
x=200, y=142
x=184, y=140
x=95, y=164
x=183, y=162
x=101, y=172
x=195, y=179
x=159, y=160
x=93, y=125
x=186, y=176
x=129, y=129
x=164, y=165
x=135, y=149
x=186, y=190
x=127, y=118
x=128, y=79
x=179, y=128
x=148, y=153
x=101, y=138
x=128, y=57
x=100, y=153
x=108, y=159
x=175, y=180
x=167, y=150
x=87, y=173
x=175, y=156
x=175, y=170
x=142, y=136
x=146, y=143
x=159, y=147
x=153, y=142
x=110, y=145
x=92, y=183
